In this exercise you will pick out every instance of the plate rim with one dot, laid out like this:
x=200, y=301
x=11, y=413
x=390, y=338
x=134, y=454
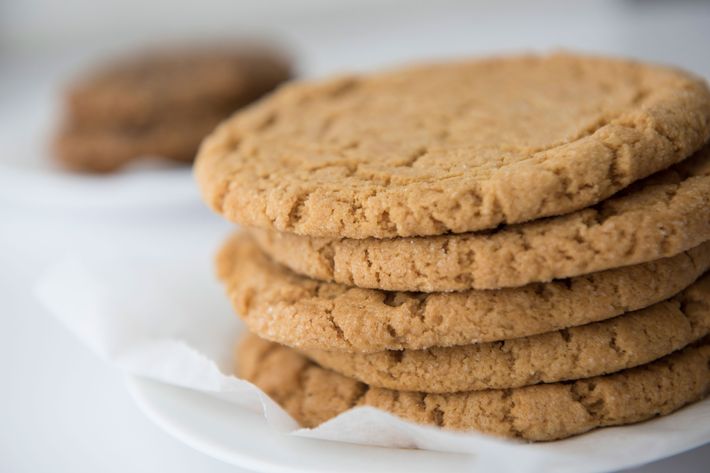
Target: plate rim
x=136, y=387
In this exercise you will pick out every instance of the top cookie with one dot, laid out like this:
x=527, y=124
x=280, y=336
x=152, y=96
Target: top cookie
x=136, y=91
x=450, y=147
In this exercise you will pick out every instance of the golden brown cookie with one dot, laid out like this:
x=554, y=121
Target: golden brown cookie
x=107, y=149
x=660, y=216
x=590, y=350
x=312, y=395
x=143, y=89
x=282, y=306
x=451, y=147
x=159, y=104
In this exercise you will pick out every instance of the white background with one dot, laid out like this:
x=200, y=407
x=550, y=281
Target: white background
x=61, y=408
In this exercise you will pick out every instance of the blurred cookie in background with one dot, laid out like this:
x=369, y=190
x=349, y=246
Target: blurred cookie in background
x=160, y=103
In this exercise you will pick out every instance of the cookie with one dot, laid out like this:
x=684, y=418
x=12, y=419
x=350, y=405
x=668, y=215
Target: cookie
x=105, y=150
x=312, y=395
x=282, y=306
x=161, y=103
x=661, y=216
x=136, y=91
x=451, y=147
x=590, y=350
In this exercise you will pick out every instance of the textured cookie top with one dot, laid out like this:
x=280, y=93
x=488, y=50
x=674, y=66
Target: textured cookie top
x=450, y=147
x=134, y=91
x=603, y=347
x=282, y=306
x=312, y=395
x=660, y=216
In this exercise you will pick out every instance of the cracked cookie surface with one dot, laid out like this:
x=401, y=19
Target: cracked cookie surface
x=450, y=147
x=589, y=350
x=660, y=216
x=542, y=412
x=285, y=307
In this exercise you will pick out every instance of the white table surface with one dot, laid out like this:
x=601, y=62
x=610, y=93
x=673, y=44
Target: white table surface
x=64, y=410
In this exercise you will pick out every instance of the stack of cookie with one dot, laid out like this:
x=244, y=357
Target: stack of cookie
x=160, y=104
x=515, y=246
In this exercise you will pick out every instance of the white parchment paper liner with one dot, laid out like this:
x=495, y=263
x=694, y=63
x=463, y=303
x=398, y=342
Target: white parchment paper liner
x=163, y=316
